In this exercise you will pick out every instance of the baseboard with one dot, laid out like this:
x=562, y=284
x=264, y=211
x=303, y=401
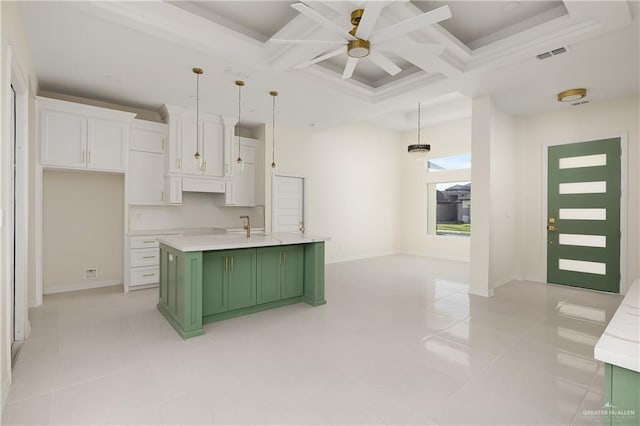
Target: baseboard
x=437, y=256
x=482, y=293
x=80, y=286
x=351, y=258
x=505, y=281
x=535, y=279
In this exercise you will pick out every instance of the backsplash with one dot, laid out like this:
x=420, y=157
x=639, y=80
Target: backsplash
x=197, y=210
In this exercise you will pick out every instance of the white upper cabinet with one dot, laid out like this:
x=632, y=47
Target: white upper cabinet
x=189, y=146
x=146, y=174
x=241, y=187
x=213, y=148
x=78, y=136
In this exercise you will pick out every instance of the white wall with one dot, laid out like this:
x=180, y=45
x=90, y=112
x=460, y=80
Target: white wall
x=83, y=227
x=505, y=262
x=12, y=38
x=576, y=124
x=446, y=139
x=352, y=186
x=198, y=210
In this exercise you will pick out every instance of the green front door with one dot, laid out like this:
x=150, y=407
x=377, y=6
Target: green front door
x=583, y=218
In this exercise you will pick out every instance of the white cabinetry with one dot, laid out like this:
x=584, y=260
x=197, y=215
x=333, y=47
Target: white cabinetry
x=146, y=175
x=143, y=260
x=241, y=187
x=77, y=136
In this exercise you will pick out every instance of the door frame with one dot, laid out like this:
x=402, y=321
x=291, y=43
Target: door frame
x=21, y=185
x=624, y=217
x=305, y=198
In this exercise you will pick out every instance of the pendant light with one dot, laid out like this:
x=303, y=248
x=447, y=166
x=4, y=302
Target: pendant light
x=239, y=83
x=273, y=94
x=198, y=72
x=419, y=150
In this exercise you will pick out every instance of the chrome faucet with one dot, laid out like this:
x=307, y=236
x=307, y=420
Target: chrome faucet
x=247, y=227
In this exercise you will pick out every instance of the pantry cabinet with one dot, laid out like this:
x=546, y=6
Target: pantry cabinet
x=77, y=136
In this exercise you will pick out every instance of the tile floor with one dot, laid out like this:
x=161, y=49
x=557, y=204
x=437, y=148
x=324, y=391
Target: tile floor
x=399, y=342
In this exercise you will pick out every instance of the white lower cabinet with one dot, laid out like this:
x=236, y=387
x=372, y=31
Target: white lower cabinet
x=143, y=262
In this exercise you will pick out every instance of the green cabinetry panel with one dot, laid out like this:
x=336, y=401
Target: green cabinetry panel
x=622, y=396
x=292, y=271
x=269, y=274
x=215, y=285
x=242, y=278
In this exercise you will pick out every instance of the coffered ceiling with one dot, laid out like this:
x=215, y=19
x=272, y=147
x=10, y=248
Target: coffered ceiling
x=141, y=54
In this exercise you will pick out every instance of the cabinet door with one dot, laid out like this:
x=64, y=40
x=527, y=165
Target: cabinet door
x=63, y=138
x=174, y=189
x=269, y=274
x=147, y=140
x=189, y=147
x=174, y=157
x=292, y=271
x=242, y=278
x=213, y=143
x=215, y=286
x=145, y=179
x=108, y=144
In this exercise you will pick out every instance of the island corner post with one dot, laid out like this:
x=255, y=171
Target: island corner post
x=227, y=282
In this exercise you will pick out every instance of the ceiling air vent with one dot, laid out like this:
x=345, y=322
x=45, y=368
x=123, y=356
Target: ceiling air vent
x=580, y=103
x=545, y=55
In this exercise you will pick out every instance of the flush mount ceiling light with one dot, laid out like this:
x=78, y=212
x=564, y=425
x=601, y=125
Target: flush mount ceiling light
x=198, y=72
x=572, y=95
x=419, y=150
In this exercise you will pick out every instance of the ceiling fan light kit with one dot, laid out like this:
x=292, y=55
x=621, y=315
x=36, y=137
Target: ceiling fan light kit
x=358, y=39
x=572, y=95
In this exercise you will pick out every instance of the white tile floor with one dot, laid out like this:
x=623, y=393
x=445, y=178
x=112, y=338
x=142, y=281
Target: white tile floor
x=399, y=342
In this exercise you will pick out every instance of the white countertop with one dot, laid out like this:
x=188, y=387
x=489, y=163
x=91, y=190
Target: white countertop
x=189, y=243
x=620, y=342
x=190, y=231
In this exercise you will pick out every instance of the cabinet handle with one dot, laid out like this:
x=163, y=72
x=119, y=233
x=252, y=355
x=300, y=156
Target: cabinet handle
x=88, y=157
x=148, y=241
x=148, y=275
x=178, y=164
x=148, y=257
x=205, y=166
x=83, y=156
x=232, y=263
x=163, y=144
x=280, y=259
x=162, y=196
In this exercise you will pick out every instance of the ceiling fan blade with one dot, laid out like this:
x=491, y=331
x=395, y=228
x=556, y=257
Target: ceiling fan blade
x=423, y=48
x=385, y=63
x=285, y=41
x=369, y=18
x=320, y=58
x=326, y=23
x=429, y=18
x=349, y=68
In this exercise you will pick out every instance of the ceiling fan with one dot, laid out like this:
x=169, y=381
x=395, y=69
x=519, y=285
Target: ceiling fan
x=363, y=42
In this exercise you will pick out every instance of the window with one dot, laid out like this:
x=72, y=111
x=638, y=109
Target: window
x=449, y=195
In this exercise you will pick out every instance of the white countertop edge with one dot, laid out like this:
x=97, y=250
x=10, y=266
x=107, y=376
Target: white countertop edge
x=227, y=242
x=619, y=345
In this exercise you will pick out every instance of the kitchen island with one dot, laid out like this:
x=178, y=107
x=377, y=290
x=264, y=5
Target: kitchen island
x=208, y=278
x=619, y=349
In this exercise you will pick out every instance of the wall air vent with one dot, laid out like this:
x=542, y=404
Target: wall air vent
x=554, y=52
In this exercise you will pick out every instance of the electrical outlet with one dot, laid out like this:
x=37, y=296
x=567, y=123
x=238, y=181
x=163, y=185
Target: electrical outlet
x=90, y=273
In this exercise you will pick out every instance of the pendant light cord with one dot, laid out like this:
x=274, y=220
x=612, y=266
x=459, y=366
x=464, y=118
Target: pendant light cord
x=197, y=115
x=273, y=132
x=419, y=123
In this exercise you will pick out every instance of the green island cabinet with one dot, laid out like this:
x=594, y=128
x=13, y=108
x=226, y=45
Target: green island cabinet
x=201, y=287
x=622, y=396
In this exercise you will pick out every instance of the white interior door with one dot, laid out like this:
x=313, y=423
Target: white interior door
x=288, y=204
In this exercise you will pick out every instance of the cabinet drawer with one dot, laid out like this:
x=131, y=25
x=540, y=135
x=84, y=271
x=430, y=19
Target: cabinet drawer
x=147, y=241
x=144, y=276
x=202, y=185
x=145, y=257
